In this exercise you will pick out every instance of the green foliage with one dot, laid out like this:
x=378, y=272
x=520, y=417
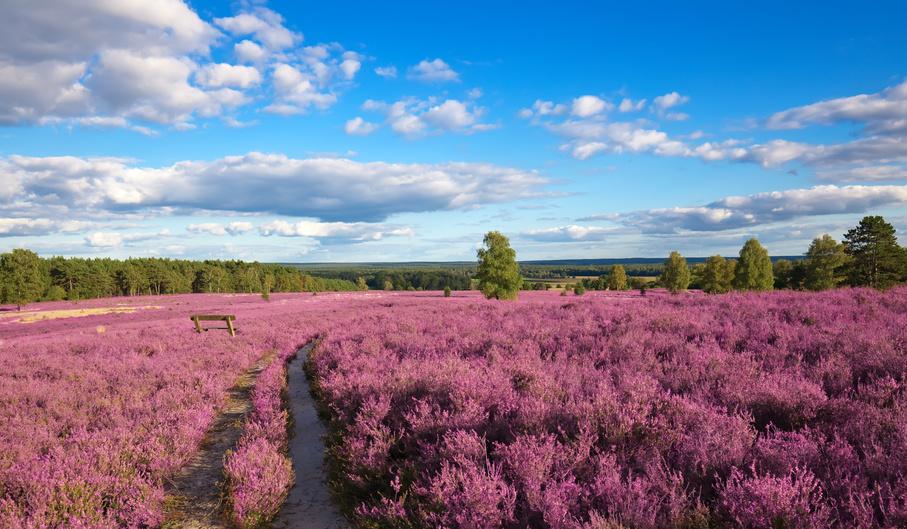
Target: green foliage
x=676, y=274
x=716, y=275
x=497, y=273
x=825, y=260
x=54, y=293
x=22, y=278
x=617, y=279
x=754, y=268
x=361, y=284
x=266, y=287
x=446, y=292
x=876, y=259
x=388, y=284
x=579, y=290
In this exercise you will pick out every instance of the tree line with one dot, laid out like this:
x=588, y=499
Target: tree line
x=868, y=256
x=25, y=277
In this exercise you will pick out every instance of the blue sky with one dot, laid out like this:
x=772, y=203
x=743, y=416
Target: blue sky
x=366, y=131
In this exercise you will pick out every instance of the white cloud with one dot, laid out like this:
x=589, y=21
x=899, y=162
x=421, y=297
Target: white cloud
x=219, y=229
x=435, y=71
x=414, y=118
x=264, y=25
x=114, y=239
x=871, y=173
x=359, y=127
x=221, y=74
x=628, y=105
x=249, y=52
x=352, y=61
x=587, y=106
x=22, y=227
x=388, y=72
x=881, y=112
x=297, y=91
x=569, y=233
x=355, y=231
x=543, y=108
x=333, y=189
x=762, y=208
x=669, y=100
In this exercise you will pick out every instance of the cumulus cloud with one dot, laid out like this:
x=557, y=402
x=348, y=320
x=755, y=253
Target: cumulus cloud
x=570, y=233
x=414, y=118
x=871, y=173
x=542, y=108
x=359, y=127
x=435, y=71
x=222, y=74
x=263, y=24
x=338, y=231
x=762, y=208
x=72, y=62
x=628, y=105
x=587, y=106
x=220, y=229
x=331, y=189
x=662, y=104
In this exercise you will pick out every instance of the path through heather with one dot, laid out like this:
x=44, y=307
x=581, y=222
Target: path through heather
x=196, y=496
x=309, y=504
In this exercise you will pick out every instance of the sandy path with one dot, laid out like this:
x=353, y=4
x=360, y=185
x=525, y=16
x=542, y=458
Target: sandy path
x=309, y=505
x=196, y=495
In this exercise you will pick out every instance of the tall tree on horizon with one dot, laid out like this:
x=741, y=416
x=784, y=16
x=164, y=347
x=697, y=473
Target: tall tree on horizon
x=676, y=275
x=876, y=259
x=617, y=278
x=717, y=275
x=21, y=277
x=824, y=261
x=498, y=273
x=754, y=268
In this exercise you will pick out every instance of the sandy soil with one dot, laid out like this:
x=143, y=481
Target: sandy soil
x=309, y=504
x=32, y=316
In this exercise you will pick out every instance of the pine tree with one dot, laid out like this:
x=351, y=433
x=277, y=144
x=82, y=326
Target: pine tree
x=824, y=261
x=676, y=275
x=498, y=273
x=876, y=258
x=754, y=268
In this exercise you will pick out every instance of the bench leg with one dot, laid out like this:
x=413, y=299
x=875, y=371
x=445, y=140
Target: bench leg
x=198, y=326
x=230, y=327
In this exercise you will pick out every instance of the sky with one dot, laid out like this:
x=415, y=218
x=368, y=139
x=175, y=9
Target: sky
x=298, y=131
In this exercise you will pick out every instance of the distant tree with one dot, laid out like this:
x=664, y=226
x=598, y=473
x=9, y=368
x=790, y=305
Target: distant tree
x=754, y=268
x=446, y=292
x=498, y=273
x=824, y=264
x=617, y=279
x=360, y=283
x=388, y=284
x=717, y=275
x=579, y=290
x=876, y=258
x=55, y=293
x=21, y=277
x=676, y=274
x=266, y=283
x=781, y=270
x=130, y=281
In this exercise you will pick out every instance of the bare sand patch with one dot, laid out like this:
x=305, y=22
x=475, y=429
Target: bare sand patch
x=32, y=316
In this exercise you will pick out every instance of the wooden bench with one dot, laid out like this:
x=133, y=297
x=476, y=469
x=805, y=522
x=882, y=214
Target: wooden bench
x=198, y=318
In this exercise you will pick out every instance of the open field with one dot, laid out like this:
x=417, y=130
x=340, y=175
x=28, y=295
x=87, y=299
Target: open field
x=604, y=410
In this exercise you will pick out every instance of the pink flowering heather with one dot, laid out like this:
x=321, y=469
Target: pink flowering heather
x=783, y=409
x=259, y=472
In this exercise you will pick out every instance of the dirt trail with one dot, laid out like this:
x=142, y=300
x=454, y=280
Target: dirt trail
x=309, y=504
x=195, y=497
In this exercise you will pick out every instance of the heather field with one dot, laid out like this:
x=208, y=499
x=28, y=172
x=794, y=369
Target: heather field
x=608, y=410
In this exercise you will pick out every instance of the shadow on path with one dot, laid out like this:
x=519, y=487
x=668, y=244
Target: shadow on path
x=309, y=504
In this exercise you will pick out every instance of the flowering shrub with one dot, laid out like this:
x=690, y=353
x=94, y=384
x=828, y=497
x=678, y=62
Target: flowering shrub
x=784, y=409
